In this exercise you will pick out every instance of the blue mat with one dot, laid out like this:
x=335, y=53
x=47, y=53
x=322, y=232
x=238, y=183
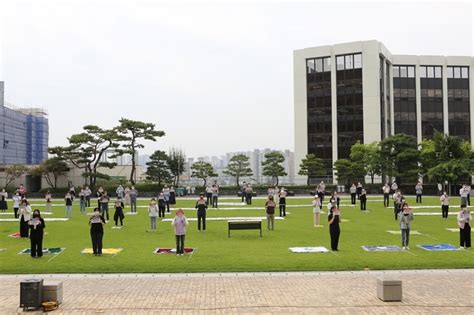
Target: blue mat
x=438, y=247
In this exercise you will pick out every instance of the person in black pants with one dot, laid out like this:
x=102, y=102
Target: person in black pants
x=161, y=205
x=282, y=202
x=37, y=226
x=363, y=200
x=201, y=206
x=334, y=230
x=464, y=220
x=96, y=223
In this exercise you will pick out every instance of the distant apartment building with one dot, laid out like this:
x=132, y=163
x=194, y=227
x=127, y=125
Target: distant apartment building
x=24, y=133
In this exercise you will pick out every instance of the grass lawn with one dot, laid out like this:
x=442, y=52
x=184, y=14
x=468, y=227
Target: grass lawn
x=245, y=250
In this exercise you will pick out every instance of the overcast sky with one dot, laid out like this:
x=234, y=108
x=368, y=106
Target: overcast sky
x=215, y=77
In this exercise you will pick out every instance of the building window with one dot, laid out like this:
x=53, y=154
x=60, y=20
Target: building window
x=404, y=99
x=349, y=104
x=318, y=86
x=431, y=90
x=458, y=102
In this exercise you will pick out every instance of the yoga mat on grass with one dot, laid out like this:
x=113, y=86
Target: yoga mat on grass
x=438, y=247
x=381, y=248
x=319, y=249
x=160, y=250
x=109, y=251
x=46, y=251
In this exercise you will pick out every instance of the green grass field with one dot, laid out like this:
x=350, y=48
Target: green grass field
x=245, y=250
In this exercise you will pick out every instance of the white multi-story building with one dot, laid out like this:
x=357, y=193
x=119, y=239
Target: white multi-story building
x=359, y=91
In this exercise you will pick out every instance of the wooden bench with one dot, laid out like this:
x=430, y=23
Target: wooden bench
x=245, y=225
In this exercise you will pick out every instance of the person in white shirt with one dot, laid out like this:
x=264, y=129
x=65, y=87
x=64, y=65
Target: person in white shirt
x=394, y=187
x=3, y=200
x=119, y=191
x=464, y=220
x=353, y=191
x=16, y=203
x=316, y=210
x=444, y=205
x=24, y=213
x=386, y=194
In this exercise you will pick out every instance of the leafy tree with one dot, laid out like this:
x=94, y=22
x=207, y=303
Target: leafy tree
x=202, y=170
x=366, y=159
x=158, y=170
x=346, y=171
x=176, y=163
x=447, y=158
x=399, y=157
x=85, y=151
x=131, y=131
x=14, y=172
x=272, y=165
x=50, y=170
x=311, y=166
x=239, y=166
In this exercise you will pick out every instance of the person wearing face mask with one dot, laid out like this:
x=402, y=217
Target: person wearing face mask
x=201, y=206
x=464, y=219
x=24, y=214
x=37, y=226
x=96, y=223
x=3, y=200
x=405, y=217
x=16, y=204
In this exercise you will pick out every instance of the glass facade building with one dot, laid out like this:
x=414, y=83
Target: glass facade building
x=368, y=94
x=23, y=134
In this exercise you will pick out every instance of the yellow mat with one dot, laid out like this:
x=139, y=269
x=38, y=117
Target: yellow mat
x=112, y=251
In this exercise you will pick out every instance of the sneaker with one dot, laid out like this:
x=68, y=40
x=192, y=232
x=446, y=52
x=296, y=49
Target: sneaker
x=461, y=247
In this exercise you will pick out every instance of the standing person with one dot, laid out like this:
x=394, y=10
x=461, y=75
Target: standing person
x=161, y=206
x=166, y=195
x=201, y=206
x=133, y=199
x=24, y=214
x=394, y=187
x=444, y=205
x=119, y=191
x=321, y=191
x=172, y=196
x=209, y=194
x=82, y=201
x=87, y=194
x=153, y=214
x=16, y=204
x=37, y=226
x=468, y=188
x=405, y=217
x=270, y=210
x=270, y=191
x=359, y=190
x=127, y=196
x=242, y=191
x=179, y=223
x=215, y=195
x=386, y=194
x=418, y=191
x=282, y=201
x=49, y=200
x=363, y=199
x=353, y=191
x=464, y=192
x=99, y=194
x=334, y=219
x=68, y=203
x=276, y=194
x=72, y=191
x=316, y=210
x=104, y=205
x=96, y=223
x=3, y=200
x=118, y=214
x=464, y=219
x=248, y=194
x=397, y=200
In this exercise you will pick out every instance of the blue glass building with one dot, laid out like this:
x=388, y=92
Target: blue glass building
x=23, y=134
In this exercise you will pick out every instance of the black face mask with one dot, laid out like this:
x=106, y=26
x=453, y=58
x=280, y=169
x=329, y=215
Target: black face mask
x=36, y=215
x=406, y=214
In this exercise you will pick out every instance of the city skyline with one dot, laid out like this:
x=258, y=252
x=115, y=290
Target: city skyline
x=211, y=83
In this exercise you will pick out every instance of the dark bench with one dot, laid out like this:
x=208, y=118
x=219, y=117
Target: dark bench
x=245, y=225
